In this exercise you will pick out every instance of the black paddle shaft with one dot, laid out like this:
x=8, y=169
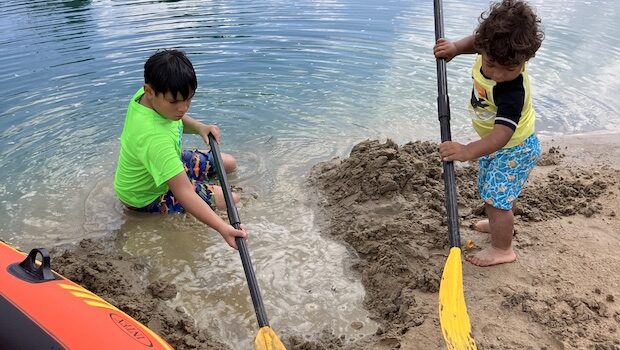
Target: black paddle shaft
x=233, y=217
x=443, y=108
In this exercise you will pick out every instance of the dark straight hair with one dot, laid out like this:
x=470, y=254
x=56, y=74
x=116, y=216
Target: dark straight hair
x=170, y=71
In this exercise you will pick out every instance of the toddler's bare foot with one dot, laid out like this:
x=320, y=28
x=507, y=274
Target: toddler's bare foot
x=492, y=256
x=481, y=226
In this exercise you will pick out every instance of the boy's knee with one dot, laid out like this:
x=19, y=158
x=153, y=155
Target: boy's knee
x=230, y=163
x=236, y=197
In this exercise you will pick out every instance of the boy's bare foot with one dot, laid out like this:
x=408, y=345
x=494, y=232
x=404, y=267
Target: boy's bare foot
x=492, y=256
x=481, y=226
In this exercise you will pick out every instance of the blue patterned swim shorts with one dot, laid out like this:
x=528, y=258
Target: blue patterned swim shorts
x=503, y=173
x=199, y=166
x=200, y=169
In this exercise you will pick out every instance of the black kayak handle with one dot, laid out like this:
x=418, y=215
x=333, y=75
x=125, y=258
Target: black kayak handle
x=29, y=271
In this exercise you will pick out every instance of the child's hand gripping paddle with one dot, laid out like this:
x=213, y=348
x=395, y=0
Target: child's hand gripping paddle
x=266, y=338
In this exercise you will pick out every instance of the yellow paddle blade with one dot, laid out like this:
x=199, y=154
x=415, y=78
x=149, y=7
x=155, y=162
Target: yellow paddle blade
x=266, y=339
x=452, y=309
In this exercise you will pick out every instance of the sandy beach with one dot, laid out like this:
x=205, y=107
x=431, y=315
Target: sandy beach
x=385, y=203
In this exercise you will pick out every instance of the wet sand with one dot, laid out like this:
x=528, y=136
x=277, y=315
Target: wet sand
x=385, y=203
x=123, y=281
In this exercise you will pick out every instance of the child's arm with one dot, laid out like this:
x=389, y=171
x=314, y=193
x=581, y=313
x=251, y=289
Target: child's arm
x=498, y=138
x=184, y=192
x=193, y=126
x=448, y=49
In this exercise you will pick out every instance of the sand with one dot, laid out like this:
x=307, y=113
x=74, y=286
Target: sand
x=122, y=280
x=385, y=203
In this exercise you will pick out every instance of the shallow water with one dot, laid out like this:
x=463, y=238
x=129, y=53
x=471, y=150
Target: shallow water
x=290, y=84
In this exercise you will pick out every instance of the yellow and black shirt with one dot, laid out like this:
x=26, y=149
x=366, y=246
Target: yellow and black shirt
x=508, y=103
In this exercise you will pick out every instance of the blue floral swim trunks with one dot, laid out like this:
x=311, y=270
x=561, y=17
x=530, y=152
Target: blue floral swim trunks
x=503, y=174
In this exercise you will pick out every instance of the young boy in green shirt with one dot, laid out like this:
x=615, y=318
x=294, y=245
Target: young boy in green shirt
x=153, y=173
x=502, y=115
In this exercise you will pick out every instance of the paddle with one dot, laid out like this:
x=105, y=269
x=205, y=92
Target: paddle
x=453, y=315
x=266, y=338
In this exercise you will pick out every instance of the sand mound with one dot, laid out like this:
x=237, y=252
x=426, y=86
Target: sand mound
x=387, y=203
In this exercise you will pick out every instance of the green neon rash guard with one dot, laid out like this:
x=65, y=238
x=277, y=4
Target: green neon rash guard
x=149, y=156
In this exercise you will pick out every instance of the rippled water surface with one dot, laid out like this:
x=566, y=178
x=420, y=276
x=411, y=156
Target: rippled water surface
x=290, y=84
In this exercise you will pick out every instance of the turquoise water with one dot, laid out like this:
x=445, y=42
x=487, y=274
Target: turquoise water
x=290, y=84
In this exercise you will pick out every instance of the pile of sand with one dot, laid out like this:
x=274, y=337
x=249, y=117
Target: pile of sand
x=387, y=203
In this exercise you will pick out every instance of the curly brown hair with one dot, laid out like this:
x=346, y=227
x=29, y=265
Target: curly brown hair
x=509, y=33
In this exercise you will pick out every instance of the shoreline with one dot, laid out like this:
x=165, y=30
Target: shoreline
x=399, y=236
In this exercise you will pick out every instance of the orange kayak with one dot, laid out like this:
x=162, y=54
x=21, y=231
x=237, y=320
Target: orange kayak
x=40, y=309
